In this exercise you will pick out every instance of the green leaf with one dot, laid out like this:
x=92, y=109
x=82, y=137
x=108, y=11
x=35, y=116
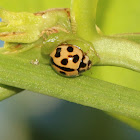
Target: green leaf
x=83, y=90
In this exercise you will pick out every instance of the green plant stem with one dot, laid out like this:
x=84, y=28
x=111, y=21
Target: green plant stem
x=118, y=52
x=110, y=49
x=83, y=90
x=30, y=55
x=129, y=36
x=83, y=15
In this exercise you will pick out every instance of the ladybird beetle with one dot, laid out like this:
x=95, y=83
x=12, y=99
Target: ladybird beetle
x=69, y=60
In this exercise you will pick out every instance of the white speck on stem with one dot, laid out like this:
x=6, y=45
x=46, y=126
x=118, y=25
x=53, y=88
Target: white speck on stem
x=35, y=62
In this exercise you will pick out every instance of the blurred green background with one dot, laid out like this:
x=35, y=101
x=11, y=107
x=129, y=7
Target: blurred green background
x=31, y=116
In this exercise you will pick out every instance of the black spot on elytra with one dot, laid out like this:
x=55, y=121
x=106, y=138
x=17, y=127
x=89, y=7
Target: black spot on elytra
x=75, y=58
x=70, y=49
x=83, y=57
x=82, y=65
x=64, y=61
x=58, y=50
x=62, y=72
x=62, y=68
x=89, y=63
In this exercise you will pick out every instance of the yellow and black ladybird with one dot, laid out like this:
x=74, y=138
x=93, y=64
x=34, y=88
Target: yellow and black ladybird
x=69, y=60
